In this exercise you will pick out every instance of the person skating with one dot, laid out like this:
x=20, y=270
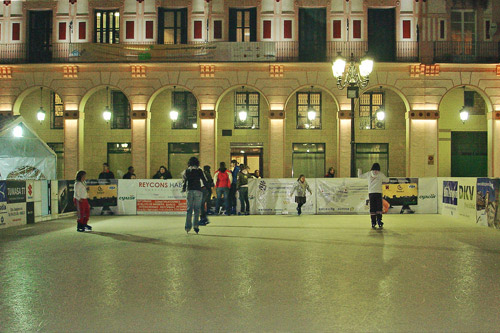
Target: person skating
x=81, y=202
x=193, y=178
x=242, y=186
x=375, y=180
x=223, y=179
x=300, y=187
x=162, y=173
x=207, y=194
x=233, y=189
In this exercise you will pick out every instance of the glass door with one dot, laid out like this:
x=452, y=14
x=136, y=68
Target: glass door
x=250, y=156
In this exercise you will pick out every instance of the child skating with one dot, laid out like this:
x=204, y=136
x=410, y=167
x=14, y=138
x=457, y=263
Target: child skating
x=301, y=186
x=82, y=202
x=375, y=180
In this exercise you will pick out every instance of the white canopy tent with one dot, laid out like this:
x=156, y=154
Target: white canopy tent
x=23, y=155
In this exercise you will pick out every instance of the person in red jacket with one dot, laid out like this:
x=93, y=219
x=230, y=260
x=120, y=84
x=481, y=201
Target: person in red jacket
x=223, y=179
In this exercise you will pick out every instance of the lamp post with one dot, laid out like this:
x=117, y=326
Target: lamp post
x=354, y=77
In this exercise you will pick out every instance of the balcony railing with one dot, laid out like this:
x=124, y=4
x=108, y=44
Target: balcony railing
x=450, y=52
x=466, y=52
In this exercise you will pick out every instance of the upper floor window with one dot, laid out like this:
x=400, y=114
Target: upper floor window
x=172, y=26
x=309, y=110
x=120, y=110
x=56, y=111
x=369, y=104
x=107, y=26
x=463, y=26
x=246, y=110
x=186, y=105
x=242, y=25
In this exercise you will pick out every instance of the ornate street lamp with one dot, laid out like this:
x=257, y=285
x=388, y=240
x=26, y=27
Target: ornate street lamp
x=354, y=77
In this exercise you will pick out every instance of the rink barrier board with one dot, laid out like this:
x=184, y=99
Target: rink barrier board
x=474, y=199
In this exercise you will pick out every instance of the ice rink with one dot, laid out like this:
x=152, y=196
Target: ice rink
x=251, y=273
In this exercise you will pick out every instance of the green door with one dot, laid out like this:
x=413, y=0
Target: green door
x=469, y=154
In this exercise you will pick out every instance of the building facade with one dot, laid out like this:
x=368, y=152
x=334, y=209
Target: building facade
x=242, y=77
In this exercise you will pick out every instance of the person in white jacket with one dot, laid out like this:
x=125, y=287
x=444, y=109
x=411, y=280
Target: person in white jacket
x=82, y=202
x=375, y=180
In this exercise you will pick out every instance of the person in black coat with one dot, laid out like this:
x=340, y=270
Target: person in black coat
x=106, y=173
x=163, y=173
x=194, y=182
x=130, y=172
x=207, y=195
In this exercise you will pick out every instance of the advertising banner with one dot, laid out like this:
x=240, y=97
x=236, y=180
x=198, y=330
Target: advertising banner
x=160, y=197
x=467, y=198
x=342, y=196
x=450, y=197
x=3, y=204
x=401, y=193
x=450, y=192
x=273, y=196
x=427, y=196
x=66, y=191
x=30, y=190
x=487, y=202
x=103, y=196
x=127, y=196
x=16, y=191
x=16, y=214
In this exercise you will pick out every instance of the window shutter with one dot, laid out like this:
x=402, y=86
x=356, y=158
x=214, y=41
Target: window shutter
x=267, y=29
x=337, y=29
x=184, y=25
x=62, y=30
x=82, y=30
x=16, y=31
x=253, y=24
x=287, y=29
x=356, y=28
x=197, y=30
x=217, y=29
x=149, y=30
x=232, y=25
x=161, y=25
x=406, y=29
x=129, y=29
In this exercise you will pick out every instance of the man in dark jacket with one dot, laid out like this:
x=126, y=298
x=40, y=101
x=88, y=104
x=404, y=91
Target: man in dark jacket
x=232, y=191
x=207, y=195
x=106, y=173
x=130, y=172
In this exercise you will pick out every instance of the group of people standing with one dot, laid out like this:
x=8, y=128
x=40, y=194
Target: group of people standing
x=227, y=182
x=199, y=184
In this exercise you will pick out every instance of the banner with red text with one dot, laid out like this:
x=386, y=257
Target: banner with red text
x=160, y=197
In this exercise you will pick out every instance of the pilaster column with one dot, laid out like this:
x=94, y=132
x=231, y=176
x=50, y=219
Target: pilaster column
x=494, y=144
x=73, y=142
x=422, y=143
x=140, y=142
x=344, y=144
x=208, y=140
x=276, y=144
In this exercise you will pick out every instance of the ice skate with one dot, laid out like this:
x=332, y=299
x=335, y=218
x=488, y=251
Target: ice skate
x=88, y=227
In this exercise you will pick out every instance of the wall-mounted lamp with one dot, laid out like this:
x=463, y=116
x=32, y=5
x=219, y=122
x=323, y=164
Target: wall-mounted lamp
x=243, y=115
x=380, y=114
x=107, y=112
x=40, y=114
x=464, y=113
